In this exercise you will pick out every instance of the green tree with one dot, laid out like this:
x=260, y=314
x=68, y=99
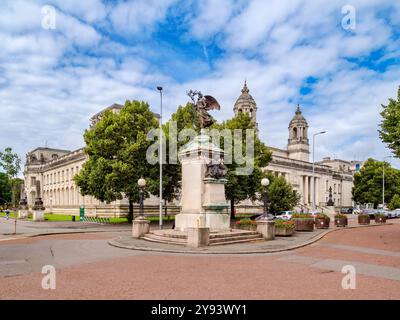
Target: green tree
x=281, y=195
x=368, y=182
x=11, y=163
x=395, y=202
x=5, y=188
x=390, y=128
x=242, y=187
x=116, y=149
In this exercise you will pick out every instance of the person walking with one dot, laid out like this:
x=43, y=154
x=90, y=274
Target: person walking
x=7, y=214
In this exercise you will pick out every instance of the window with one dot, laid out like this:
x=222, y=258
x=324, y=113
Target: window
x=33, y=181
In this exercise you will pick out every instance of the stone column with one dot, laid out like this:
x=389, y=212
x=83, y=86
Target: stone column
x=140, y=227
x=312, y=190
x=203, y=203
x=266, y=228
x=306, y=190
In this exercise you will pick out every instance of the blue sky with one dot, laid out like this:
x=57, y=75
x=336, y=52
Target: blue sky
x=101, y=52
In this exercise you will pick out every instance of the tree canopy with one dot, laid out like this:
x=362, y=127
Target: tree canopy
x=368, y=183
x=116, y=148
x=11, y=164
x=281, y=195
x=390, y=125
x=5, y=188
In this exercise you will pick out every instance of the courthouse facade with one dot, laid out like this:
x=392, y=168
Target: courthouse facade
x=56, y=168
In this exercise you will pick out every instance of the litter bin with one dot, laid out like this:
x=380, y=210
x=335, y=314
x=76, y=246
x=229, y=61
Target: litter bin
x=73, y=218
x=81, y=213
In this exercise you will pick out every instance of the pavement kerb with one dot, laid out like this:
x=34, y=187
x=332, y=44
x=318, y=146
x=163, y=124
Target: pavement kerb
x=316, y=238
x=34, y=235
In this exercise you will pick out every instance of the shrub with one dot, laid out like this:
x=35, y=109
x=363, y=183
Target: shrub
x=363, y=215
x=321, y=216
x=246, y=222
x=302, y=216
x=284, y=224
x=395, y=202
x=377, y=215
x=340, y=216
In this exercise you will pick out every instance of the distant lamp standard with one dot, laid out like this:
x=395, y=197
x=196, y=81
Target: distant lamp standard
x=160, y=157
x=313, y=167
x=265, y=184
x=51, y=204
x=383, y=180
x=142, y=184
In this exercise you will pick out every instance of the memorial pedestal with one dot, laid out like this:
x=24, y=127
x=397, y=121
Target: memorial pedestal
x=266, y=228
x=140, y=227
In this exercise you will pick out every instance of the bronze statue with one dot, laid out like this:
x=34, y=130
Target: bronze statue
x=330, y=202
x=38, y=201
x=202, y=105
x=216, y=170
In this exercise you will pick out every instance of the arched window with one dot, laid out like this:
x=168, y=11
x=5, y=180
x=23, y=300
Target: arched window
x=295, y=132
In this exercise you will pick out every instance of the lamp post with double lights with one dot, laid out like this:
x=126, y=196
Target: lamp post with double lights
x=265, y=184
x=159, y=88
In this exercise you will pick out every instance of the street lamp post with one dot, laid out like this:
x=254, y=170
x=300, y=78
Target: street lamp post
x=142, y=184
x=383, y=181
x=265, y=184
x=160, y=157
x=313, y=167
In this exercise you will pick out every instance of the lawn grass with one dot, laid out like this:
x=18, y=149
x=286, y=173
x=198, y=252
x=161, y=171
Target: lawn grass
x=12, y=214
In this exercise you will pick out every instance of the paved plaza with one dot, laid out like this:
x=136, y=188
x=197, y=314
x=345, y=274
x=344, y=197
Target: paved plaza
x=89, y=268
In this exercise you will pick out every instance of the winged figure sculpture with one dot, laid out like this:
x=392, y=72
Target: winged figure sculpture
x=203, y=103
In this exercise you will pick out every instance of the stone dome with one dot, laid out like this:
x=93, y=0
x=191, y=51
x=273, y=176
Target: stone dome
x=298, y=117
x=245, y=102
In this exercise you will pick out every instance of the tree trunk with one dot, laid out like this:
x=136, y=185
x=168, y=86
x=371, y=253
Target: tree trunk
x=232, y=209
x=130, y=213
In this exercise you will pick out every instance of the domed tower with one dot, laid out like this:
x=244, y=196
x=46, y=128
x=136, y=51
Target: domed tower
x=246, y=104
x=298, y=144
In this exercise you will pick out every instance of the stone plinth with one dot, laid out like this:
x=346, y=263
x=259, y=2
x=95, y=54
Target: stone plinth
x=266, y=228
x=38, y=215
x=198, y=237
x=140, y=227
x=203, y=202
x=22, y=214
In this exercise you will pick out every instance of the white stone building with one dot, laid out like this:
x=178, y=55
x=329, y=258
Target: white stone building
x=55, y=170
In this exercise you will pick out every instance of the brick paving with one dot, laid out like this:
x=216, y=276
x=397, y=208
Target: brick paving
x=91, y=269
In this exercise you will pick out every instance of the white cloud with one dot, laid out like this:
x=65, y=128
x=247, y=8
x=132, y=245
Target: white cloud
x=138, y=16
x=51, y=82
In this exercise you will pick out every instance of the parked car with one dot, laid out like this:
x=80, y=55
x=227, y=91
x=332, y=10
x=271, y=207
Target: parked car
x=396, y=213
x=346, y=210
x=284, y=215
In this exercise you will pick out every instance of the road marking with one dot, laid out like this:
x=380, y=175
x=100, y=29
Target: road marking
x=12, y=262
x=361, y=249
x=366, y=269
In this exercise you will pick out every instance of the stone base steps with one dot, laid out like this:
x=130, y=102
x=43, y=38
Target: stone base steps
x=234, y=237
x=216, y=238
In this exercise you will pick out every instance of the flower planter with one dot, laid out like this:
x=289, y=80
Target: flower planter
x=284, y=232
x=341, y=222
x=380, y=219
x=364, y=219
x=322, y=223
x=303, y=224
